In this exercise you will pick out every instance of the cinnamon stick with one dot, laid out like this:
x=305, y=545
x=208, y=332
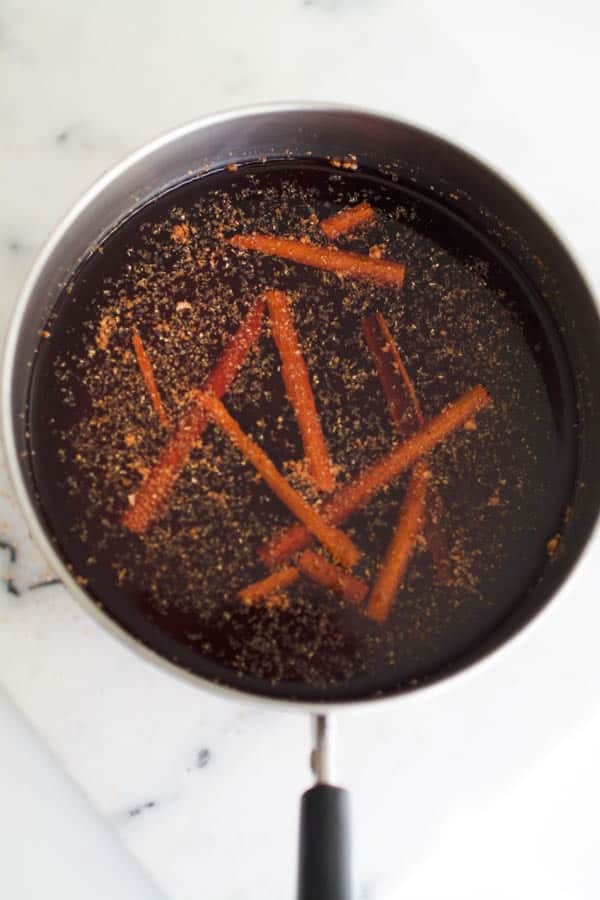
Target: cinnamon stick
x=299, y=391
x=152, y=494
x=401, y=546
x=435, y=537
x=269, y=585
x=331, y=577
x=396, y=382
x=358, y=492
x=342, y=262
x=339, y=544
x=147, y=373
x=405, y=408
x=347, y=220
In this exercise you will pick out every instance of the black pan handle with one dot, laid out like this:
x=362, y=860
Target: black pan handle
x=324, y=870
x=324, y=867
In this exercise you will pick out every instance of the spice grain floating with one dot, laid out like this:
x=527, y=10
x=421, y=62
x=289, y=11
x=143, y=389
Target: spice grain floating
x=291, y=424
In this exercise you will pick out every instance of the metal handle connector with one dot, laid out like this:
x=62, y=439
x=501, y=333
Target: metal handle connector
x=321, y=758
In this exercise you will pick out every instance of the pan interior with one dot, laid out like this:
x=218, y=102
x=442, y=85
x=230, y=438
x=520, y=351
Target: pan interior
x=469, y=313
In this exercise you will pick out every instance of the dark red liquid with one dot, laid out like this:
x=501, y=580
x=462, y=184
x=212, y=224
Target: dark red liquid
x=463, y=317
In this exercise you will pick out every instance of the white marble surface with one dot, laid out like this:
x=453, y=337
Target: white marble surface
x=46, y=822
x=492, y=778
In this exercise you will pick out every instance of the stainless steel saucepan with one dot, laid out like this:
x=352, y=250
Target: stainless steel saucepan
x=437, y=169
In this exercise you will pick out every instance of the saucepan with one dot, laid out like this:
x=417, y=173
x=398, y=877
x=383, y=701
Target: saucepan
x=470, y=190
